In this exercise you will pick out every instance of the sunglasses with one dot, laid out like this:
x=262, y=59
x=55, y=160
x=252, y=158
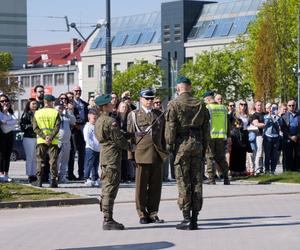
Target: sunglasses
x=231, y=106
x=2, y=101
x=79, y=91
x=243, y=104
x=63, y=98
x=157, y=102
x=149, y=98
x=291, y=105
x=41, y=91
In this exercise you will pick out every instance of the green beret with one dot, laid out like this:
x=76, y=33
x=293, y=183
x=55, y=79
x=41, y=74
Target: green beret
x=49, y=98
x=208, y=93
x=183, y=79
x=103, y=99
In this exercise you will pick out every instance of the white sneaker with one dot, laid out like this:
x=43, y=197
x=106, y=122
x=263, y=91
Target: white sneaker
x=89, y=183
x=97, y=183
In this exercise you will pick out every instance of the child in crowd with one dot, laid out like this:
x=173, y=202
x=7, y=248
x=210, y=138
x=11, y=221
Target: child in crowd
x=92, y=149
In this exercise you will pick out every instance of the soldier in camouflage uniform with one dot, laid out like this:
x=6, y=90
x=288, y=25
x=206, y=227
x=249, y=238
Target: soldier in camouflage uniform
x=186, y=133
x=112, y=141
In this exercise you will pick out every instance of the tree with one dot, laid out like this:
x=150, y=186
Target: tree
x=5, y=63
x=138, y=76
x=276, y=22
x=219, y=70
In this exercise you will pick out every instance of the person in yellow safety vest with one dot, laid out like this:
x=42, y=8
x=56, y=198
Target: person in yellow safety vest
x=219, y=133
x=46, y=124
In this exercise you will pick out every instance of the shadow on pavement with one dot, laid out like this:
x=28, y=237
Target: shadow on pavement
x=144, y=246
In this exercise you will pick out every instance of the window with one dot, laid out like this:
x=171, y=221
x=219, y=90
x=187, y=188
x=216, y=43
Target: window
x=189, y=59
x=70, y=78
x=47, y=80
x=129, y=64
x=103, y=70
x=35, y=80
x=59, y=79
x=26, y=81
x=91, y=71
x=117, y=66
x=158, y=63
x=133, y=38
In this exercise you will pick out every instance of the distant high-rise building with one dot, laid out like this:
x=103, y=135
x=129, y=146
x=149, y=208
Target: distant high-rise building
x=13, y=30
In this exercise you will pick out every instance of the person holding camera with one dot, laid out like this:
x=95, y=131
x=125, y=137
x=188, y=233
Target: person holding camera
x=271, y=136
x=64, y=135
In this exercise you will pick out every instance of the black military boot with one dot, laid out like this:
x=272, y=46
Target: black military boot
x=111, y=224
x=185, y=224
x=53, y=183
x=194, y=219
x=38, y=182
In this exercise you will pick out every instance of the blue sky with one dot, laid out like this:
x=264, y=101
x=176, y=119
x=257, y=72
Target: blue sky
x=46, y=15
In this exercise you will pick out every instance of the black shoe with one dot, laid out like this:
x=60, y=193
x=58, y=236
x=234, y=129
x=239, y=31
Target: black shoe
x=145, y=220
x=110, y=224
x=53, y=184
x=80, y=178
x=155, y=219
x=37, y=183
x=226, y=182
x=72, y=178
x=210, y=182
x=184, y=225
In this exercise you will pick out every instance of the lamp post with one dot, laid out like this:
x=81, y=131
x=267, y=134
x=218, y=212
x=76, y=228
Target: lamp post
x=108, y=67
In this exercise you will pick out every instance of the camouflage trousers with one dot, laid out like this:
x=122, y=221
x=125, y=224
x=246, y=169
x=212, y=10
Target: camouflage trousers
x=110, y=181
x=216, y=154
x=41, y=157
x=189, y=175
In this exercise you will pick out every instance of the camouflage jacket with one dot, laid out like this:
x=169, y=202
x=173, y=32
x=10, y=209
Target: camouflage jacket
x=185, y=116
x=111, y=138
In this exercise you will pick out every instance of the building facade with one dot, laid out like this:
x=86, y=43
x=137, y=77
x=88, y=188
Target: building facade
x=13, y=30
x=170, y=37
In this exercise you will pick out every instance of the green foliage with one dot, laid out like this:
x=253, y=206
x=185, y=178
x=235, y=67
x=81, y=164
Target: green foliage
x=138, y=76
x=221, y=71
x=5, y=63
x=281, y=17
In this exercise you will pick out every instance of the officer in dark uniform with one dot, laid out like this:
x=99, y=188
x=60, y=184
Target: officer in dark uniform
x=187, y=124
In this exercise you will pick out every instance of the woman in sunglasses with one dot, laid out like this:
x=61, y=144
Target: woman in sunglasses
x=240, y=141
x=8, y=122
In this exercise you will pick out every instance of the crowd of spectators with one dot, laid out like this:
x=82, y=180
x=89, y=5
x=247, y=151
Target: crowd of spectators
x=259, y=133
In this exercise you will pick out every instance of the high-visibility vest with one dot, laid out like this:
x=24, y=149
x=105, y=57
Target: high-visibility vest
x=45, y=119
x=218, y=121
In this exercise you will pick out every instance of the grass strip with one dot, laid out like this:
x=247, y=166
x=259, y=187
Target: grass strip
x=21, y=192
x=286, y=177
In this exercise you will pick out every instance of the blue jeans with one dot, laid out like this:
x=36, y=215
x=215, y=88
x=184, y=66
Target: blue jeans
x=271, y=146
x=91, y=164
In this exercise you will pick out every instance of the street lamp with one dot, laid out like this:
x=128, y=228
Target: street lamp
x=20, y=84
x=173, y=66
x=298, y=66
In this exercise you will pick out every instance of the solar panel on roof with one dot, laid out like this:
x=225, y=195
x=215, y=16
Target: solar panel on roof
x=210, y=31
x=223, y=29
x=133, y=38
x=95, y=43
x=119, y=39
x=147, y=37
